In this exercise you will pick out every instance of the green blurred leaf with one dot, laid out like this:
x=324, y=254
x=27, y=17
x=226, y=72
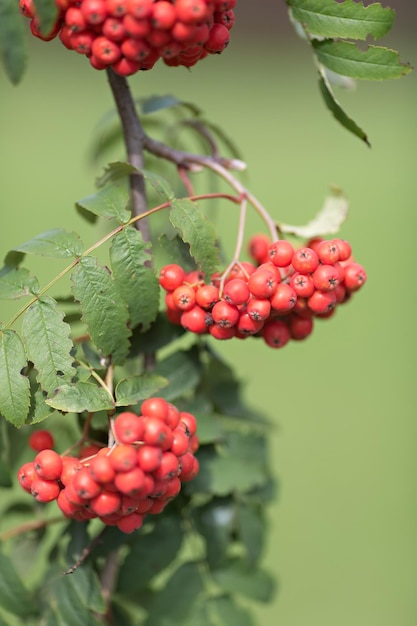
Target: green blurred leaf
x=375, y=63
x=337, y=111
x=159, y=103
x=132, y=390
x=253, y=583
x=183, y=370
x=327, y=221
x=86, y=585
x=110, y=203
x=104, y=312
x=5, y=475
x=160, y=184
x=177, y=251
x=56, y=243
x=115, y=171
x=12, y=40
x=226, y=612
x=209, y=428
x=348, y=19
x=48, y=343
x=160, y=334
x=47, y=13
x=68, y=601
x=80, y=397
x=16, y=282
x=198, y=232
x=136, y=282
x=216, y=522
x=251, y=524
x=14, y=386
x=14, y=597
x=150, y=554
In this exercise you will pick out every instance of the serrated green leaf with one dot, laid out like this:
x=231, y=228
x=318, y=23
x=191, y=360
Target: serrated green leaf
x=16, y=282
x=251, y=524
x=12, y=40
x=254, y=583
x=110, y=203
x=47, y=13
x=154, y=551
x=65, y=600
x=327, y=221
x=132, y=390
x=48, y=343
x=160, y=184
x=136, y=282
x=216, y=522
x=80, y=397
x=348, y=19
x=177, y=251
x=14, y=597
x=226, y=612
x=14, y=387
x=183, y=370
x=198, y=232
x=56, y=243
x=174, y=604
x=375, y=63
x=86, y=585
x=38, y=410
x=337, y=111
x=115, y=171
x=104, y=312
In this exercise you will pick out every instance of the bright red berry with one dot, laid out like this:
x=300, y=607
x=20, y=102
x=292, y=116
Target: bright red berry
x=48, y=465
x=41, y=440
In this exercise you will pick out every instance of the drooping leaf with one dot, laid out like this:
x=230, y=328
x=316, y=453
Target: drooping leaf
x=327, y=221
x=251, y=524
x=348, y=19
x=48, y=343
x=136, y=282
x=337, y=111
x=375, y=63
x=47, y=13
x=104, y=312
x=14, y=387
x=216, y=523
x=16, y=282
x=254, y=583
x=80, y=397
x=12, y=40
x=161, y=186
x=132, y=390
x=14, y=597
x=110, y=203
x=154, y=551
x=183, y=370
x=198, y=232
x=115, y=172
x=177, y=251
x=56, y=243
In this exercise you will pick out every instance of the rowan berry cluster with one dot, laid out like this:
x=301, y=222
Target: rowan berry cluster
x=131, y=35
x=152, y=455
x=277, y=299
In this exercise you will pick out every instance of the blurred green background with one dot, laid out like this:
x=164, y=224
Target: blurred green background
x=343, y=540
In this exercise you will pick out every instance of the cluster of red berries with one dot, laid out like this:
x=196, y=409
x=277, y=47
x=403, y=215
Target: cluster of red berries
x=139, y=475
x=131, y=35
x=276, y=299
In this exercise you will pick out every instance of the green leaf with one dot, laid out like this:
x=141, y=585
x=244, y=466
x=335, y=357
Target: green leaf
x=16, y=282
x=209, y=428
x=337, y=111
x=251, y=524
x=160, y=334
x=110, y=203
x=86, y=585
x=197, y=231
x=38, y=410
x=327, y=221
x=159, y=103
x=136, y=282
x=348, y=19
x=183, y=370
x=227, y=613
x=12, y=40
x=132, y=390
x=173, y=605
x=177, y=251
x=14, y=387
x=5, y=475
x=103, y=310
x=375, y=63
x=47, y=13
x=216, y=522
x=56, y=243
x=48, y=343
x=160, y=184
x=80, y=397
x=239, y=578
x=66, y=599
x=13, y=595
x=153, y=552
x=115, y=171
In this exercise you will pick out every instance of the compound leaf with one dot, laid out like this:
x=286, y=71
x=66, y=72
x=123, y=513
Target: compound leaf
x=16, y=282
x=48, y=343
x=104, y=312
x=110, y=203
x=198, y=232
x=236, y=577
x=56, y=243
x=160, y=184
x=80, y=397
x=327, y=221
x=136, y=282
x=114, y=172
x=183, y=370
x=12, y=40
x=375, y=63
x=14, y=387
x=132, y=390
x=348, y=19
x=216, y=522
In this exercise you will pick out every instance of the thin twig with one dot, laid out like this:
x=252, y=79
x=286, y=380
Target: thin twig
x=87, y=551
x=28, y=526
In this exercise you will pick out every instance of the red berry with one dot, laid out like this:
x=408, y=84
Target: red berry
x=171, y=276
x=190, y=421
x=236, y=291
x=26, y=475
x=129, y=523
x=70, y=466
x=206, y=296
x=305, y=260
x=263, y=283
x=284, y=298
x=191, y=11
x=183, y=297
x=225, y=314
x=259, y=247
x=219, y=38
x=94, y=11
x=300, y=327
x=355, y=276
x=195, y=320
x=302, y=284
x=157, y=433
x=105, y=50
x=280, y=253
x=322, y=302
x=168, y=468
x=326, y=277
x=105, y=503
x=48, y=465
x=248, y=325
x=101, y=469
x=276, y=334
x=163, y=15
x=155, y=407
x=140, y=8
x=221, y=332
x=41, y=440
x=149, y=457
x=131, y=482
x=258, y=309
x=123, y=457
x=44, y=490
x=84, y=484
x=128, y=427
x=328, y=252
